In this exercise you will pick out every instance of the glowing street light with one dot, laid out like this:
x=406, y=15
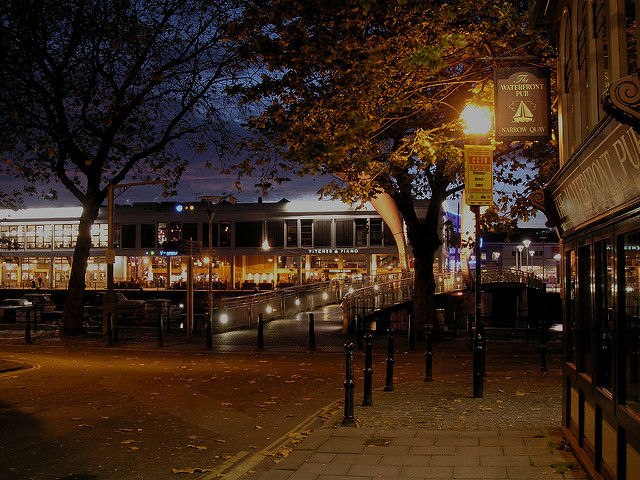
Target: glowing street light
x=477, y=121
x=526, y=244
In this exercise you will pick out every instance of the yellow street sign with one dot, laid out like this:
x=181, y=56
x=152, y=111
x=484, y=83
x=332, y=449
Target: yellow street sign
x=478, y=177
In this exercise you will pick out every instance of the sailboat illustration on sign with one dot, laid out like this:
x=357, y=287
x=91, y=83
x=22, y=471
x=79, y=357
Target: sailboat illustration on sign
x=523, y=114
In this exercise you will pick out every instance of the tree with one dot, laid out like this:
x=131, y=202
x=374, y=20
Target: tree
x=99, y=91
x=371, y=91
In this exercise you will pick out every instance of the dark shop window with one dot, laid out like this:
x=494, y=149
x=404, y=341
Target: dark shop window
x=604, y=312
x=344, y=233
x=128, y=236
x=148, y=235
x=275, y=234
x=205, y=235
x=248, y=234
x=292, y=233
x=190, y=231
x=322, y=233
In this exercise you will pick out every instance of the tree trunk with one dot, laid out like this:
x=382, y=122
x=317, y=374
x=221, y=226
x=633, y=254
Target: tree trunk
x=425, y=242
x=73, y=305
x=424, y=305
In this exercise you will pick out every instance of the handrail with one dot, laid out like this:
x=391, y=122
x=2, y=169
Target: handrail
x=382, y=295
x=365, y=295
x=299, y=290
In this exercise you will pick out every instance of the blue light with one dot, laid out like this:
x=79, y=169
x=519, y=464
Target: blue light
x=179, y=208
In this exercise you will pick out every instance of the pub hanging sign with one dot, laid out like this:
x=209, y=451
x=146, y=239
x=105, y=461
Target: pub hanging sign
x=522, y=106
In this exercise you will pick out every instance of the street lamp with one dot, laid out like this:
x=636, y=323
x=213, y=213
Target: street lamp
x=526, y=244
x=519, y=248
x=212, y=202
x=109, y=299
x=531, y=254
x=479, y=182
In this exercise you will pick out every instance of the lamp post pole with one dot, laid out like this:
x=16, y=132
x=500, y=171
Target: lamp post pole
x=519, y=248
x=478, y=338
x=212, y=202
x=109, y=299
x=210, y=214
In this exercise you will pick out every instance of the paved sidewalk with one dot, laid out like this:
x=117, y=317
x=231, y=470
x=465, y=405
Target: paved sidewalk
x=437, y=430
x=366, y=453
x=363, y=453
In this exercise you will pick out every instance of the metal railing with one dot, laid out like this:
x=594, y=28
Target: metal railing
x=243, y=311
x=363, y=296
x=511, y=275
x=380, y=295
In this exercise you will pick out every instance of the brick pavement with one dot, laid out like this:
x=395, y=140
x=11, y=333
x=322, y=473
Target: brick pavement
x=437, y=430
x=368, y=453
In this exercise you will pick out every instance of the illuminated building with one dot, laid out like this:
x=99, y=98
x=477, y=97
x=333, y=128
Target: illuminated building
x=255, y=245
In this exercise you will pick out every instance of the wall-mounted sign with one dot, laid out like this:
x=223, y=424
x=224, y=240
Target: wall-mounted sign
x=522, y=107
x=478, y=178
x=331, y=251
x=603, y=178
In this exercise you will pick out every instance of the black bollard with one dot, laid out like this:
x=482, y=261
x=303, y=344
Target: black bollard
x=455, y=324
x=260, y=332
x=483, y=362
x=35, y=318
x=543, y=346
x=390, y=350
x=312, y=333
x=359, y=331
x=411, y=335
x=109, y=330
x=160, y=339
x=349, y=386
x=367, y=401
x=113, y=322
x=478, y=362
x=208, y=344
x=428, y=355
x=27, y=328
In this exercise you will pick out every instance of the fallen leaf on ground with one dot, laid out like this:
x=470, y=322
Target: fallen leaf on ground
x=197, y=447
x=127, y=442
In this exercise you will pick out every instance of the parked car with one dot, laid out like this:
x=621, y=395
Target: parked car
x=138, y=312
x=129, y=309
x=42, y=303
x=12, y=310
